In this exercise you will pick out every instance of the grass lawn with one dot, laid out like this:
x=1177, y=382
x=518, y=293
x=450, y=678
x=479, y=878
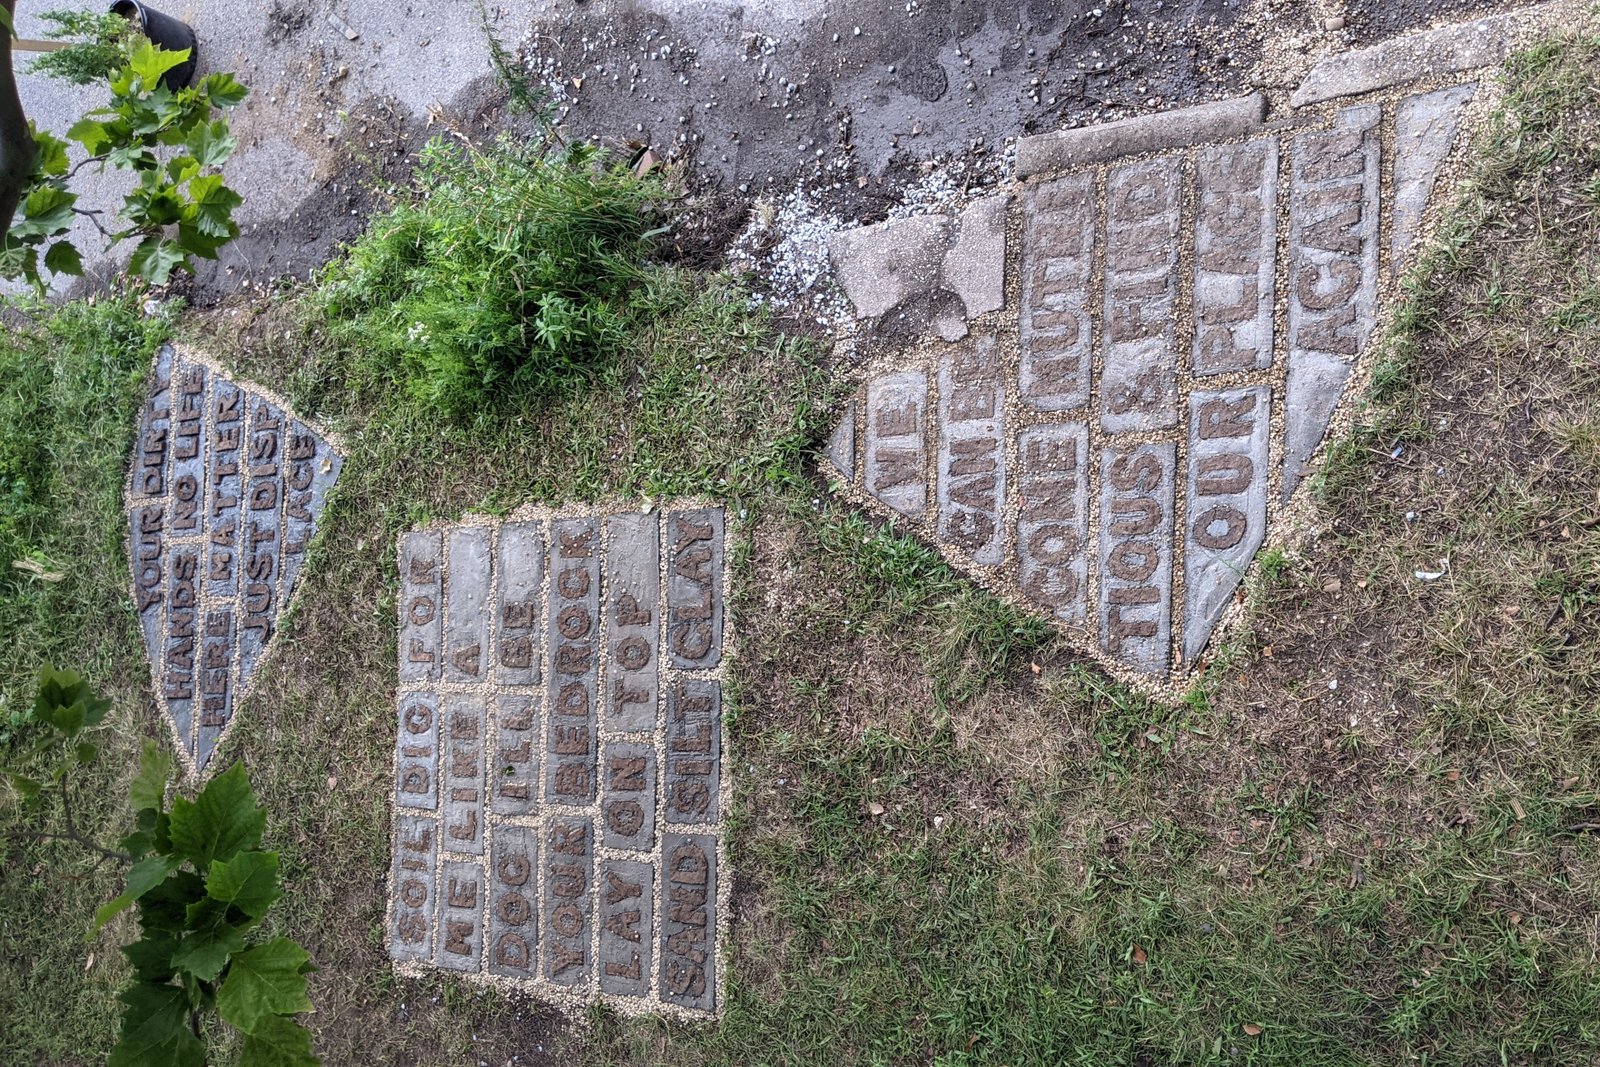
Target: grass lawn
x=954, y=843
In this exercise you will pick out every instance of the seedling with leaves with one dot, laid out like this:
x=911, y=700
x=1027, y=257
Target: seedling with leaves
x=172, y=141
x=200, y=884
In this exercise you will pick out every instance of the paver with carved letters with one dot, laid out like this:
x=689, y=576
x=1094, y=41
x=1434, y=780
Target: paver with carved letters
x=1178, y=328
x=225, y=492
x=559, y=785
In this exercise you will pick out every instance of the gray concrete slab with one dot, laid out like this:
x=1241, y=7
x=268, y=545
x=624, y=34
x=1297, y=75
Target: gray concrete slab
x=1229, y=433
x=513, y=945
x=693, y=751
x=1138, y=383
x=519, y=577
x=688, y=903
x=696, y=551
x=1464, y=46
x=1053, y=518
x=1425, y=128
x=971, y=485
x=627, y=926
x=412, y=890
x=416, y=761
x=1059, y=220
x=573, y=676
x=1136, y=520
x=896, y=410
x=633, y=621
x=465, y=729
x=1236, y=246
x=568, y=903
x=458, y=944
x=466, y=605
x=1062, y=149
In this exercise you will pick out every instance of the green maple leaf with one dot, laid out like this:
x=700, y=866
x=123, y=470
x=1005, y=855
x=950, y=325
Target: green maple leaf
x=148, y=62
x=65, y=699
x=205, y=949
x=151, y=955
x=248, y=882
x=155, y=1030
x=213, y=206
x=220, y=823
x=149, y=786
x=265, y=981
x=223, y=90
x=51, y=160
x=210, y=144
x=278, y=1041
x=154, y=261
x=142, y=877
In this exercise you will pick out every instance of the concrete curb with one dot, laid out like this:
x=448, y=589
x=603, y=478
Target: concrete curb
x=1480, y=43
x=1216, y=121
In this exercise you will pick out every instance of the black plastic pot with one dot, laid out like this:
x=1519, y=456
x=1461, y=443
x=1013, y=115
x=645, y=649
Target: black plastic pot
x=172, y=34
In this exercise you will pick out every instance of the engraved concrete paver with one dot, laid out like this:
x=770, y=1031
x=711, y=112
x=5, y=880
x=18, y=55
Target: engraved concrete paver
x=1333, y=273
x=1228, y=472
x=1235, y=245
x=1193, y=294
x=1425, y=129
x=1138, y=384
x=972, y=470
x=558, y=813
x=224, y=495
x=1057, y=257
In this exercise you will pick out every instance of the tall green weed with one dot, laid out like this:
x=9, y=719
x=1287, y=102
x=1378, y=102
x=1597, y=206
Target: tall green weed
x=506, y=272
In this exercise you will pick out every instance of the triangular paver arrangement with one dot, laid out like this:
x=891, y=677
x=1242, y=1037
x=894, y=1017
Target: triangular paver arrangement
x=225, y=493
x=1135, y=353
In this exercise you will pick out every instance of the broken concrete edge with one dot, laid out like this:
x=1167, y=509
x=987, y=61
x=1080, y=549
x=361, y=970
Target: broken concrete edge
x=1289, y=523
x=188, y=768
x=574, y=1003
x=1219, y=120
x=1449, y=50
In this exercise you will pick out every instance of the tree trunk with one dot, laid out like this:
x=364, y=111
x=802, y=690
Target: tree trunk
x=16, y=146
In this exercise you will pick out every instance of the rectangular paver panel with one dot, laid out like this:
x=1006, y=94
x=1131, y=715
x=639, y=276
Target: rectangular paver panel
x=574, y=672
x=513, y=945
x=688, y=903
x=896, y=465
x=627, y=926
x=412, y=887
x=1227, y=494
x=1058, y=228
x=1236, y=244
x=1332, y=273
x=695, y=555
x=519, y=573
x=972, y=461
x=568, y=909
x=1138, y=383
x=1136, y=520
x=633, y=621
x=1053, y=542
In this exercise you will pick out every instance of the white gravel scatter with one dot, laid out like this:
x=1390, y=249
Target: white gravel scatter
x=785, y=245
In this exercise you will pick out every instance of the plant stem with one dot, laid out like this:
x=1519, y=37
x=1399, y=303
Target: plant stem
x=17, y=147
x=45, y=835
x=72, y=829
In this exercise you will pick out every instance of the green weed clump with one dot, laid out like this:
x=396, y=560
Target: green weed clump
x=506, y=273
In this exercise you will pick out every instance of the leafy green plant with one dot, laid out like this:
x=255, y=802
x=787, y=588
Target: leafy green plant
x=200, y=884
x=99, y=46
x=170, y=140
x=507, y=272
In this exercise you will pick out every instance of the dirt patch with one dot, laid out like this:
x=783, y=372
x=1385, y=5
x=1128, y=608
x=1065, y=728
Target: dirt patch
x=758, y=99
x=1370, y=21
